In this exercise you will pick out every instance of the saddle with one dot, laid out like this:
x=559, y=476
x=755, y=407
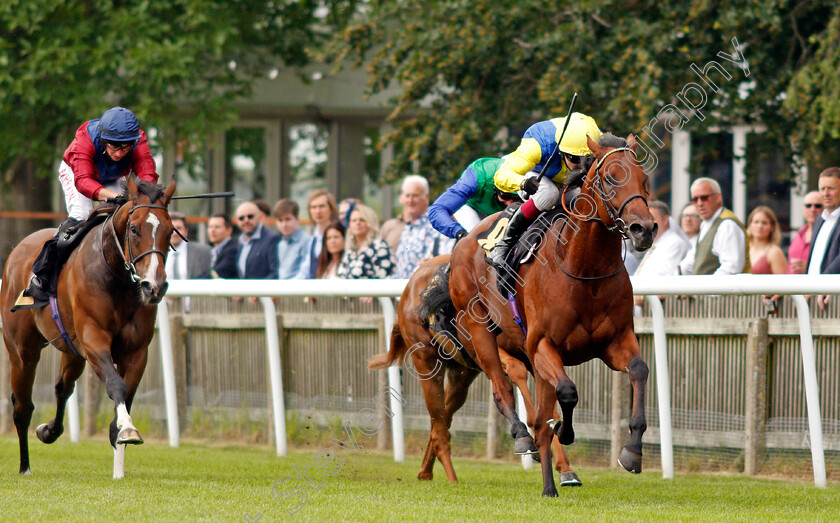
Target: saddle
x=57, y=251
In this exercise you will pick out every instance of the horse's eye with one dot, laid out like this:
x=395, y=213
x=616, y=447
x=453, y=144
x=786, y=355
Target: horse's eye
x=133, y=230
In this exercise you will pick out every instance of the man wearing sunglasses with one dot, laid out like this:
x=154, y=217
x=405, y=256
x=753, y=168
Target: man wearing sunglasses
x=534, y=151
x=104, y=151
x=720, y=247
x=256, y=258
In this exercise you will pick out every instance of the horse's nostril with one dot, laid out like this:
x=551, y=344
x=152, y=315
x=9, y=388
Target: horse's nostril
x=146, y=287
x=636, y=229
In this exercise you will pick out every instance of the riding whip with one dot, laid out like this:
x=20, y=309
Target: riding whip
x=562, y=134
x=228, y=194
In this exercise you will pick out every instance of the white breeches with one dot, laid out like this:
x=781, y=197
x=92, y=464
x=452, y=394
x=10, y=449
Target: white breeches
x=78, y=205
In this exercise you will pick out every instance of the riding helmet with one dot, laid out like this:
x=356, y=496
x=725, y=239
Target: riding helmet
x=574, y=141
x=118, y=124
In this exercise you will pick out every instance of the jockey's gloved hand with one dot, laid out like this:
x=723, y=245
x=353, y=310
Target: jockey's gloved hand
x=117, y=200
x=460, y=234
x=530, y=184
x=575, y=178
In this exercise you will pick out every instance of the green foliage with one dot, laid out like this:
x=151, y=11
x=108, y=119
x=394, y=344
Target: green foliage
x=177, y=64
x=484, y=66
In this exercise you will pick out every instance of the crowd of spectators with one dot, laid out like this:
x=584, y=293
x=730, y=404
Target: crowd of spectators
x=345, y=239
x=341, y=240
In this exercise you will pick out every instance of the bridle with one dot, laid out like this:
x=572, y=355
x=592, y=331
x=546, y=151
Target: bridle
x=130, y=266
x=613, y=212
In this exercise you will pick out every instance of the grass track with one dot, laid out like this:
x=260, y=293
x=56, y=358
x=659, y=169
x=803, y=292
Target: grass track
x=200, y=482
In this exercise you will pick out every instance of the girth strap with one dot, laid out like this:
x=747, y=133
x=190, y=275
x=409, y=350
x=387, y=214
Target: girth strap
x=56, y=316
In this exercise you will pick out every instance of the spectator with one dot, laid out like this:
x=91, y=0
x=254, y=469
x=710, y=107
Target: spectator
x=345, y=208
x=223, y=253
x=764, y=236
x=800, y=244
x=332, y=251
x=824, y=256
x=414, y=198
x=264, y=208
x=256, y=257
x=322, y=211
x=418, y=240
x=294, y=244
x=471, y=199
x=365, y=255
x=188, y=260
x=721, y=244
x=669, y=247
x=690, y=222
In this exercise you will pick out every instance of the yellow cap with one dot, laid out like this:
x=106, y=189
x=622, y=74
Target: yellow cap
x=574, y=141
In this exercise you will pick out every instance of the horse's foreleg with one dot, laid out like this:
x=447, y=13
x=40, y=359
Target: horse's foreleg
x=631, y=454
x=71, y=368
x=549, y=365
x=625, y=357
x=543, y=433
x=487, y=353
x=122, y=430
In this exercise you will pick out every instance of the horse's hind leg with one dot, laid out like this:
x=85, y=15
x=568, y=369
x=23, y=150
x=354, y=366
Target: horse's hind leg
x=458, y=384
x=24, y=360
x=434, y=396
x=71, y=368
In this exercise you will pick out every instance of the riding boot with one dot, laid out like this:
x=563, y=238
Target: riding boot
x=516, y=226
x=42, y=285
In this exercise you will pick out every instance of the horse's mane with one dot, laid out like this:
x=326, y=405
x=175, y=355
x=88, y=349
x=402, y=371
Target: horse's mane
x=153, y=191
x=611, y=140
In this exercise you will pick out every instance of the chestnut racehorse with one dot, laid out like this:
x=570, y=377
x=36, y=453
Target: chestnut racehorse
x=575, y=298
x=108, y=292
x=433, y=356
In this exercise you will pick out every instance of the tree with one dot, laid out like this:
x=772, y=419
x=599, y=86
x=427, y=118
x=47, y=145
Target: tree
x=178, y=65
x=470, y=69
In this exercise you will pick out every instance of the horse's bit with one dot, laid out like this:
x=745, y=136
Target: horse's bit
x=130, y=266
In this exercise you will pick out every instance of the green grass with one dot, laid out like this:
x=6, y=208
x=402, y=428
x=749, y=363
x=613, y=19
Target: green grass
x=197, y=481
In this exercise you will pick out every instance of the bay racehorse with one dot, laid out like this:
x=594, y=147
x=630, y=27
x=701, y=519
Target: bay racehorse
x=575, y=298
x=108, y=292
x=434, y=355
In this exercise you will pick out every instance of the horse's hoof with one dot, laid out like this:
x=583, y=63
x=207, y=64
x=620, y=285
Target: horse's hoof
x=525, y=445
x=26, y=472
x=570, y=479
x=424, y=476
x=631, y=461
x=550, y=492
x=45, y=436
x=129, y=436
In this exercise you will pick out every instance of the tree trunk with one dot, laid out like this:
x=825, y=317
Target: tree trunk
x=23, y=190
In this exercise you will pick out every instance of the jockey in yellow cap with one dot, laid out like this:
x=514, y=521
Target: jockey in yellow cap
x=537, y=145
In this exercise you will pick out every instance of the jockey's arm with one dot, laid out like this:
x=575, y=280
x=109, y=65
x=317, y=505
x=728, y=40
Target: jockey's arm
x=440, y=212
x=510, y=175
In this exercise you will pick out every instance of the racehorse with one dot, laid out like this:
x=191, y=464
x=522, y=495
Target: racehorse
x=108, y=292
x=575, y=298
x=434, y=355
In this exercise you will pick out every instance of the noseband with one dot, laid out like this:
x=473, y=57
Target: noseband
x=130, y=265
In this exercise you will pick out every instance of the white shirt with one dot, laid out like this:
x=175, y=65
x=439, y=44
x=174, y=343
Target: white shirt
x=729, y=245
x=821, y=241
x=663, y=258
x=179, y=257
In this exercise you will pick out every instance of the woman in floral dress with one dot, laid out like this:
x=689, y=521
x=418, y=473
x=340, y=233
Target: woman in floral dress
x=365, y=255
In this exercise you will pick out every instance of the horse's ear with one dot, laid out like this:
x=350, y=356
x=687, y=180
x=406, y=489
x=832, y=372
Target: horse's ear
x=170, y=190
x=596, y=149
x=631, y=142
x=131, y=186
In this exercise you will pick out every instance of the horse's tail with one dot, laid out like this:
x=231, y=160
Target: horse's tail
x=435, y=301
x=395, y=352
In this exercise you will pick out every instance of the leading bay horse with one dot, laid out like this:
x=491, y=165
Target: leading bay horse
x=435, y=359
x=108, y=292
x=575, y=298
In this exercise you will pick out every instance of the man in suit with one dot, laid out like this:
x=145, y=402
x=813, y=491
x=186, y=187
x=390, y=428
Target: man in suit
x=188, y=260
x=824, y=255
x=257, y=254
x=223, y=253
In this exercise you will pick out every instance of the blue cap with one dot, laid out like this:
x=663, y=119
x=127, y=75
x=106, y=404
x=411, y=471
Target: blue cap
x=118, y=124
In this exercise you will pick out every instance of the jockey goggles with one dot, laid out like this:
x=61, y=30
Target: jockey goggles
x=120, y=146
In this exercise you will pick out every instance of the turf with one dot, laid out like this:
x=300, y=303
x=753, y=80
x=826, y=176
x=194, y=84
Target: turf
x=72, y=482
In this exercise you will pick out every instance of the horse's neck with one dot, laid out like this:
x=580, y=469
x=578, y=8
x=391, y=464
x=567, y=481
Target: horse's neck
x=588, y=248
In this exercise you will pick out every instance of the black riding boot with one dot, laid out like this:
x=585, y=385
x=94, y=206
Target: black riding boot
x=516, y=226
x=42, y=285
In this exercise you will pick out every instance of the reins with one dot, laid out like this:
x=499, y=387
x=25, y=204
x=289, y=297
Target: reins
x=130, y=266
